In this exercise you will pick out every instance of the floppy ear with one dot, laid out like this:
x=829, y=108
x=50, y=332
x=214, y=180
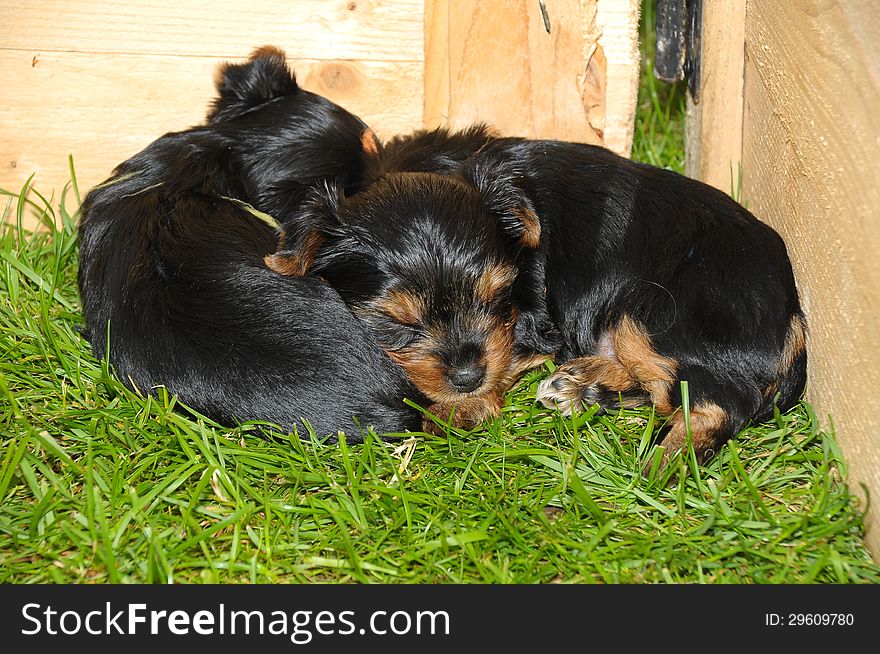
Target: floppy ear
x=372, y=157
x=503, y=194
x=242, y=87
x=304, y=233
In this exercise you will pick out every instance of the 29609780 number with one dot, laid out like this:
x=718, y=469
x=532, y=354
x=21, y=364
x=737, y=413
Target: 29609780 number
x=820, y=619
x=809, y=619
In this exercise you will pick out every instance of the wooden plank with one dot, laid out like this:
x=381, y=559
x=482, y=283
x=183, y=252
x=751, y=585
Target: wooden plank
x=309, y=29
x=104, y=108
x=618, y=22
x=810, y=143
x=715, y=124
x=505, y=69
x=436, y=102
x=386, y=95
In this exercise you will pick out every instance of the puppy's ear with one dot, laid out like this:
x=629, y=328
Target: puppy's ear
x=242, y=87
x=372, y=157
x=304, y=233
x=504, y=196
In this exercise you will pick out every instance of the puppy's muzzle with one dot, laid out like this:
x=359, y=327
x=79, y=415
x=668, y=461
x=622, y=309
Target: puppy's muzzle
x=467, y=379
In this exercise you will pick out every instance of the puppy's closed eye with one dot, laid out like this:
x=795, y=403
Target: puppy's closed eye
x=397, y=336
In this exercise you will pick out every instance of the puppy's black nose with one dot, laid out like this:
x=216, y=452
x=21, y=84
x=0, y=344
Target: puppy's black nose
x=468, y=379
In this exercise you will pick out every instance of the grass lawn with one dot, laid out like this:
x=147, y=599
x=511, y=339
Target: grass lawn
x=99, y=485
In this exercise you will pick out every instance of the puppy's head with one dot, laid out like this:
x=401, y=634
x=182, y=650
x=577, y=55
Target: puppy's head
x=287, y=138
x=429, y=263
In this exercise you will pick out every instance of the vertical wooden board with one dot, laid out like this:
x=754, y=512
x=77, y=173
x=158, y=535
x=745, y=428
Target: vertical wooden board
x=436, y=95
x=618, y=23
x=104, y=108
x=310, y=29
x=507, y=70
x=578, y=81
x=714, y=141
x=810, y=143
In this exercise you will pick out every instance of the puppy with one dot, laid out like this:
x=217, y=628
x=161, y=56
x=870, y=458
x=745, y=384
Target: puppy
x=429, y=263
x=655, y=279
x=636, y=278
x=172, y=277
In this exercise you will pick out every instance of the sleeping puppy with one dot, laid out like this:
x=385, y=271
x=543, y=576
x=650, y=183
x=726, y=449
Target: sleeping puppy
x=174, y=288
x=655, y=279
x=428, y=263
x=635, y=278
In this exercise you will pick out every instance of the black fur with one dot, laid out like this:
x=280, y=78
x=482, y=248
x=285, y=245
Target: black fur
x=711, y=284
x=708, y=286
x=408, y=259
x=173, y=261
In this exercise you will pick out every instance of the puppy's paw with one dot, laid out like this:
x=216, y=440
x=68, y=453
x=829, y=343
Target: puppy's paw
x=562, y=391
x=588, y=381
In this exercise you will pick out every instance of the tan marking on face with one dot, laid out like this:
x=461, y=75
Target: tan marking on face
x=426, y=371
x=370, y=143
x=707, y=421
x=404, y=307
x=653, y=371
x=497, y=353
x=296, y=263
x=531, y=236
x=494, y=279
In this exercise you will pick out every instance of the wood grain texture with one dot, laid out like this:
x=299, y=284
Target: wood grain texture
x=104, y=108
x=494, y=61
x=436, y=94
x=715, y=124
x=99, y=80
x=618, y=23
x=810, y=143
x=505, y=69
x=102, y=79
x=309, y=29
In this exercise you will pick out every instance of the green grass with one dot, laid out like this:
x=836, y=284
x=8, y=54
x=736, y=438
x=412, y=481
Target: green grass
x=98, y=484
x=659, y=128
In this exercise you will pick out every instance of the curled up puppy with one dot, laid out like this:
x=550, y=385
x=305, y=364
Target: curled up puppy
x=172, y=277
x=635, y=278
x=430, y=263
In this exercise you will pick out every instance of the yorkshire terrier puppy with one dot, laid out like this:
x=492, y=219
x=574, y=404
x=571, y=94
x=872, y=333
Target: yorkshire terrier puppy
x=429, y=263
x=172, y=277
x=636, y=278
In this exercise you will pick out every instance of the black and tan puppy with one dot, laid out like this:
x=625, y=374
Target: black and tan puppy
x=635, y=277
x=174, y=288
x=429, y=263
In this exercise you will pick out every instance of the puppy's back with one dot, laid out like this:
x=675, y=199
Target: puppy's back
x=172, y=276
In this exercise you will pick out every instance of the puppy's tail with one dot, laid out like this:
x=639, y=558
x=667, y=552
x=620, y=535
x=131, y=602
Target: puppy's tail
x=244, y=87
